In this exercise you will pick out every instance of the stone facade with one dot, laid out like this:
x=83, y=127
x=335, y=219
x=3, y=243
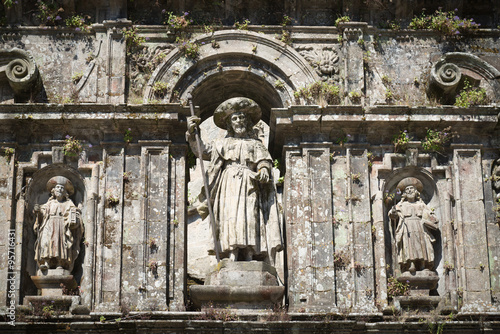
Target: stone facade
x=348, y=111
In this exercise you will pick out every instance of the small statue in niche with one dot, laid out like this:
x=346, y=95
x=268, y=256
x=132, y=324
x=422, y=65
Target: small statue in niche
x=495, y=176
x=58, y=227
x=241, y=191
x=415, y=223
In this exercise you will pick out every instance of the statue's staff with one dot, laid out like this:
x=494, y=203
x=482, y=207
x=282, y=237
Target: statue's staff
x=205, y=180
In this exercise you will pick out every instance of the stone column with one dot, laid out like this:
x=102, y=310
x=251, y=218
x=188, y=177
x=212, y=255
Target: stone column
x=309, y=230
x=472, y=254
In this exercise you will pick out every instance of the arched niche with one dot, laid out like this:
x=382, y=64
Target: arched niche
x=36, y=193
x=234, y=63
x=429, y=196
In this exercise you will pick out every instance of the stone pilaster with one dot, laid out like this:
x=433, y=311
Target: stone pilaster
x=309, y=230
x=472, y=251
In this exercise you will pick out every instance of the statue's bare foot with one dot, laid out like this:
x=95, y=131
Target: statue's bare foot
x=233, y=255
x=412, y=268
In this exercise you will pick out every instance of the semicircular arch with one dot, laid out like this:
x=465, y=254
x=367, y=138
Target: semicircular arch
x=234, y=63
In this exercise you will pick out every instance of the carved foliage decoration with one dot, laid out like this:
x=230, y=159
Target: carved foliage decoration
x=21, y=73
x=324, y=61
x=143, y=63
x=448, y=73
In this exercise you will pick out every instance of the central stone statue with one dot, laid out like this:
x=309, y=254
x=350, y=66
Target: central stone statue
x=58, y=227
x=239, y=178
x=416, y=224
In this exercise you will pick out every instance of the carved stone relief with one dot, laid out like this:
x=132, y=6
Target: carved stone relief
x=143, y=64
x=21, y=73
x=324, y=60
x=449, y=73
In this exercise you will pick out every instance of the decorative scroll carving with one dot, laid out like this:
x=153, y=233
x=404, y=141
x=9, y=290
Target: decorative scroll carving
x=322, y=61
x=446, y=75
x=21, y=72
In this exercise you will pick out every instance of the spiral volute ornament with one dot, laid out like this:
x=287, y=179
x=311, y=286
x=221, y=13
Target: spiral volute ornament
x=449, y=75
x=445, y=78
x=20, y=70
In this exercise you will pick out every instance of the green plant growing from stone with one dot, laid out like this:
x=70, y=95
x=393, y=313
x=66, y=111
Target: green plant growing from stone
x=210, y=312
x=160, y=89
x=448, y=267
x=49, y=12
x=386, y=80
x=79, y=22
x=471, y=96
x=111, y=200
x=361, y=42
x=219, y=66
x=285, y=37
x=344, y=138
x=396, y=288
x=153, y=246
x=400, y=141
x=102, y=318
x=355, y=97
x=8, y=153
x=342, y=19
x=446, y=23
x=153, y=268
x=286, y=21
x=188, y=48
x=356, y=177
x=435, y=140
x=279, y=84
x=76, y=77
x=132, y=40
x=371, y=158
x=126, y=177
x=481, y=266
x=358, y=267
x=319, y=92
x=215, y=44
x=177, y=22
x=340, y=259
x=254, y=49
x=8, y=3
x=127, y=136
x=72, y=147
x=279, y=313
x=243, y=25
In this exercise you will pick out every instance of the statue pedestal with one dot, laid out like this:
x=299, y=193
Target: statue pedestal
x=49, y=282
x=421, y=283
x=239, y=285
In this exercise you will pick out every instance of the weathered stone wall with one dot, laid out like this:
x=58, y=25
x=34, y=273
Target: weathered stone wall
x=123, y=95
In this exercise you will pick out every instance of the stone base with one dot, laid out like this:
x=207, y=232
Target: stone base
x=239, y=285
x=50, y=282
x=237, y=297
x=60, y=304
x=421, y=282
